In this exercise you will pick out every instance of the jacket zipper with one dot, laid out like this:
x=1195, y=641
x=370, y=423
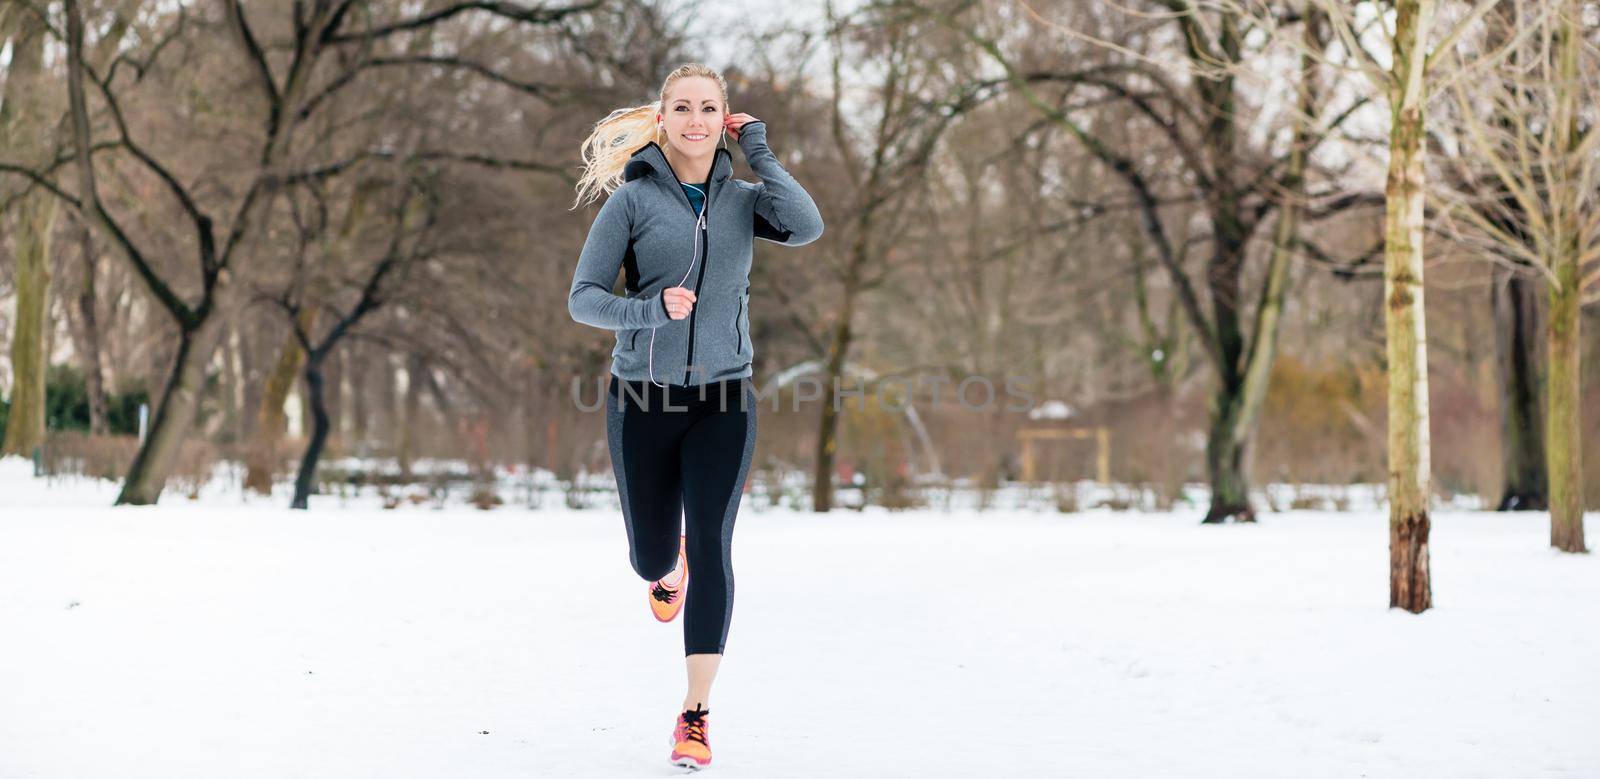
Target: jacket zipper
x=705, y=252
x=705, y=249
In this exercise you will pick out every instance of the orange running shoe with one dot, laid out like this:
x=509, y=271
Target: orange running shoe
x=666, y=595
x=690, y=746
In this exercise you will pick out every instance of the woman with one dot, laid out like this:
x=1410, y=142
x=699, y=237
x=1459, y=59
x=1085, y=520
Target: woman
x=679, y=415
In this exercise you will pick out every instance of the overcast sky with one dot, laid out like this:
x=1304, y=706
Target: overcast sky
x=713, y=20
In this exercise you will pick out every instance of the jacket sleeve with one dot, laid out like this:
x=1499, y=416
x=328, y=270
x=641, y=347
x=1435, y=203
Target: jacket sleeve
x=590, y=300
x=785, y=213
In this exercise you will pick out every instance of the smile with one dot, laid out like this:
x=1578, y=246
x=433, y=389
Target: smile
x=695, y=136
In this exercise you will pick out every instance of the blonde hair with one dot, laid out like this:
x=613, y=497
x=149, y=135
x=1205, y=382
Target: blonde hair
x=626, y=130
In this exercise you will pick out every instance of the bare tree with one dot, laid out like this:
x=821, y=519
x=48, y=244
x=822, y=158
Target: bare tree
x=912, y=106
x=28, y=117
x=83, y=319
x=1514, y=301
x=24, y=117
x=287, y=96
x=1529, y=190
x=413, y=216
x=1411, y=76
x=1409, y=584
x=1202, y=117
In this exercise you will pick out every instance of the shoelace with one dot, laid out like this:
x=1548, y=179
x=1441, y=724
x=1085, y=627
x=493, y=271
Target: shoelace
x=694, y=725
x=661, y=593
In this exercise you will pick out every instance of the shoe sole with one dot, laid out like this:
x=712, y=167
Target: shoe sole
x=689, y=763
x=685, y=761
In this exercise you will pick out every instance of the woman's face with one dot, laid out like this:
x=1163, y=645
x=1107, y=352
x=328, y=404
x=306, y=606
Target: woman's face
x=693, y=116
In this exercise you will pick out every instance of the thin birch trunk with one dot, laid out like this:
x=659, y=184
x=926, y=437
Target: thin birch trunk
x=1564, y=447
x=1409, y=584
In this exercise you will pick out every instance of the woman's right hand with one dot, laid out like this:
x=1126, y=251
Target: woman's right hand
x=679, y=301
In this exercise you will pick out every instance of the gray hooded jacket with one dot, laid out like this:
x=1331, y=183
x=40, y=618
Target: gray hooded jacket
x=648, y=228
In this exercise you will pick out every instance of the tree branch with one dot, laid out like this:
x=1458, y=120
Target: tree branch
x=38, y=180
x=509, y=10
x=140, y=67
x=1354, y=268
x=1450, y=38
x=1150, y=217
x=93, y=210
x=547, y=94
x=202, y=223
x=1191, y=155
x=257, y=61
x=337, y=168
x=544, y=92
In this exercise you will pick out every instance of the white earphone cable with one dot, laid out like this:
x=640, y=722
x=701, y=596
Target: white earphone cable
x=699, y=225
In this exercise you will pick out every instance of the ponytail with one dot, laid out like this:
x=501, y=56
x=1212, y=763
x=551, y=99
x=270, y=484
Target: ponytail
x=607, y=149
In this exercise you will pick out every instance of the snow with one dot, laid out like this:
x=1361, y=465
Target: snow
x=1052, y=409
x=232, y=637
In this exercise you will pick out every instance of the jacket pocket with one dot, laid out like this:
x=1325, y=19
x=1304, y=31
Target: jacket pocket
x=741, y=321
x=627, y=340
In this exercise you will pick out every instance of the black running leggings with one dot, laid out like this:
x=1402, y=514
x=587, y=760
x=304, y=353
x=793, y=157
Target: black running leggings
x=683, y=452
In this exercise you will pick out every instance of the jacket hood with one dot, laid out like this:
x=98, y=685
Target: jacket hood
x=651, y=160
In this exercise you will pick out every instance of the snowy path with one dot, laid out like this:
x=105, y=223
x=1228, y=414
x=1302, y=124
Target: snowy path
x=216, y=639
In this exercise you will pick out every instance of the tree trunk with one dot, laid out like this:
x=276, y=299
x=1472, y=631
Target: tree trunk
x=1230, y=491
x=89, y=334
x=270, y=417
x=1164, y=354
x=1565, y=444
x=198, y=328
x=22, y=127
x=173, y=416
x=1566, y=292
x=303, y=405
x=1171, y=466
x=333, y=381
x=441, y=399
x=405, y=447
x=225, y=424
x=253, y=378
x=1238, y=406
x=30, y=358
x=386, y=401
x=360, y=369
x=1409, y=457
x=828, y=423
x=319, y=431
x=1521, y=423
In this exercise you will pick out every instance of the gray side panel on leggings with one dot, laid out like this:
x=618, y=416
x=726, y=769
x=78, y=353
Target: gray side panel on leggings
x=732, y=509
x=616, y=414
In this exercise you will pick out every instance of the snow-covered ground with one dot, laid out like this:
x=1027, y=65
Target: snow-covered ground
x=232, y=638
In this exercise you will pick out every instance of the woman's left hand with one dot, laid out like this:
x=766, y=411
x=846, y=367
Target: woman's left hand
x=732, y=123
